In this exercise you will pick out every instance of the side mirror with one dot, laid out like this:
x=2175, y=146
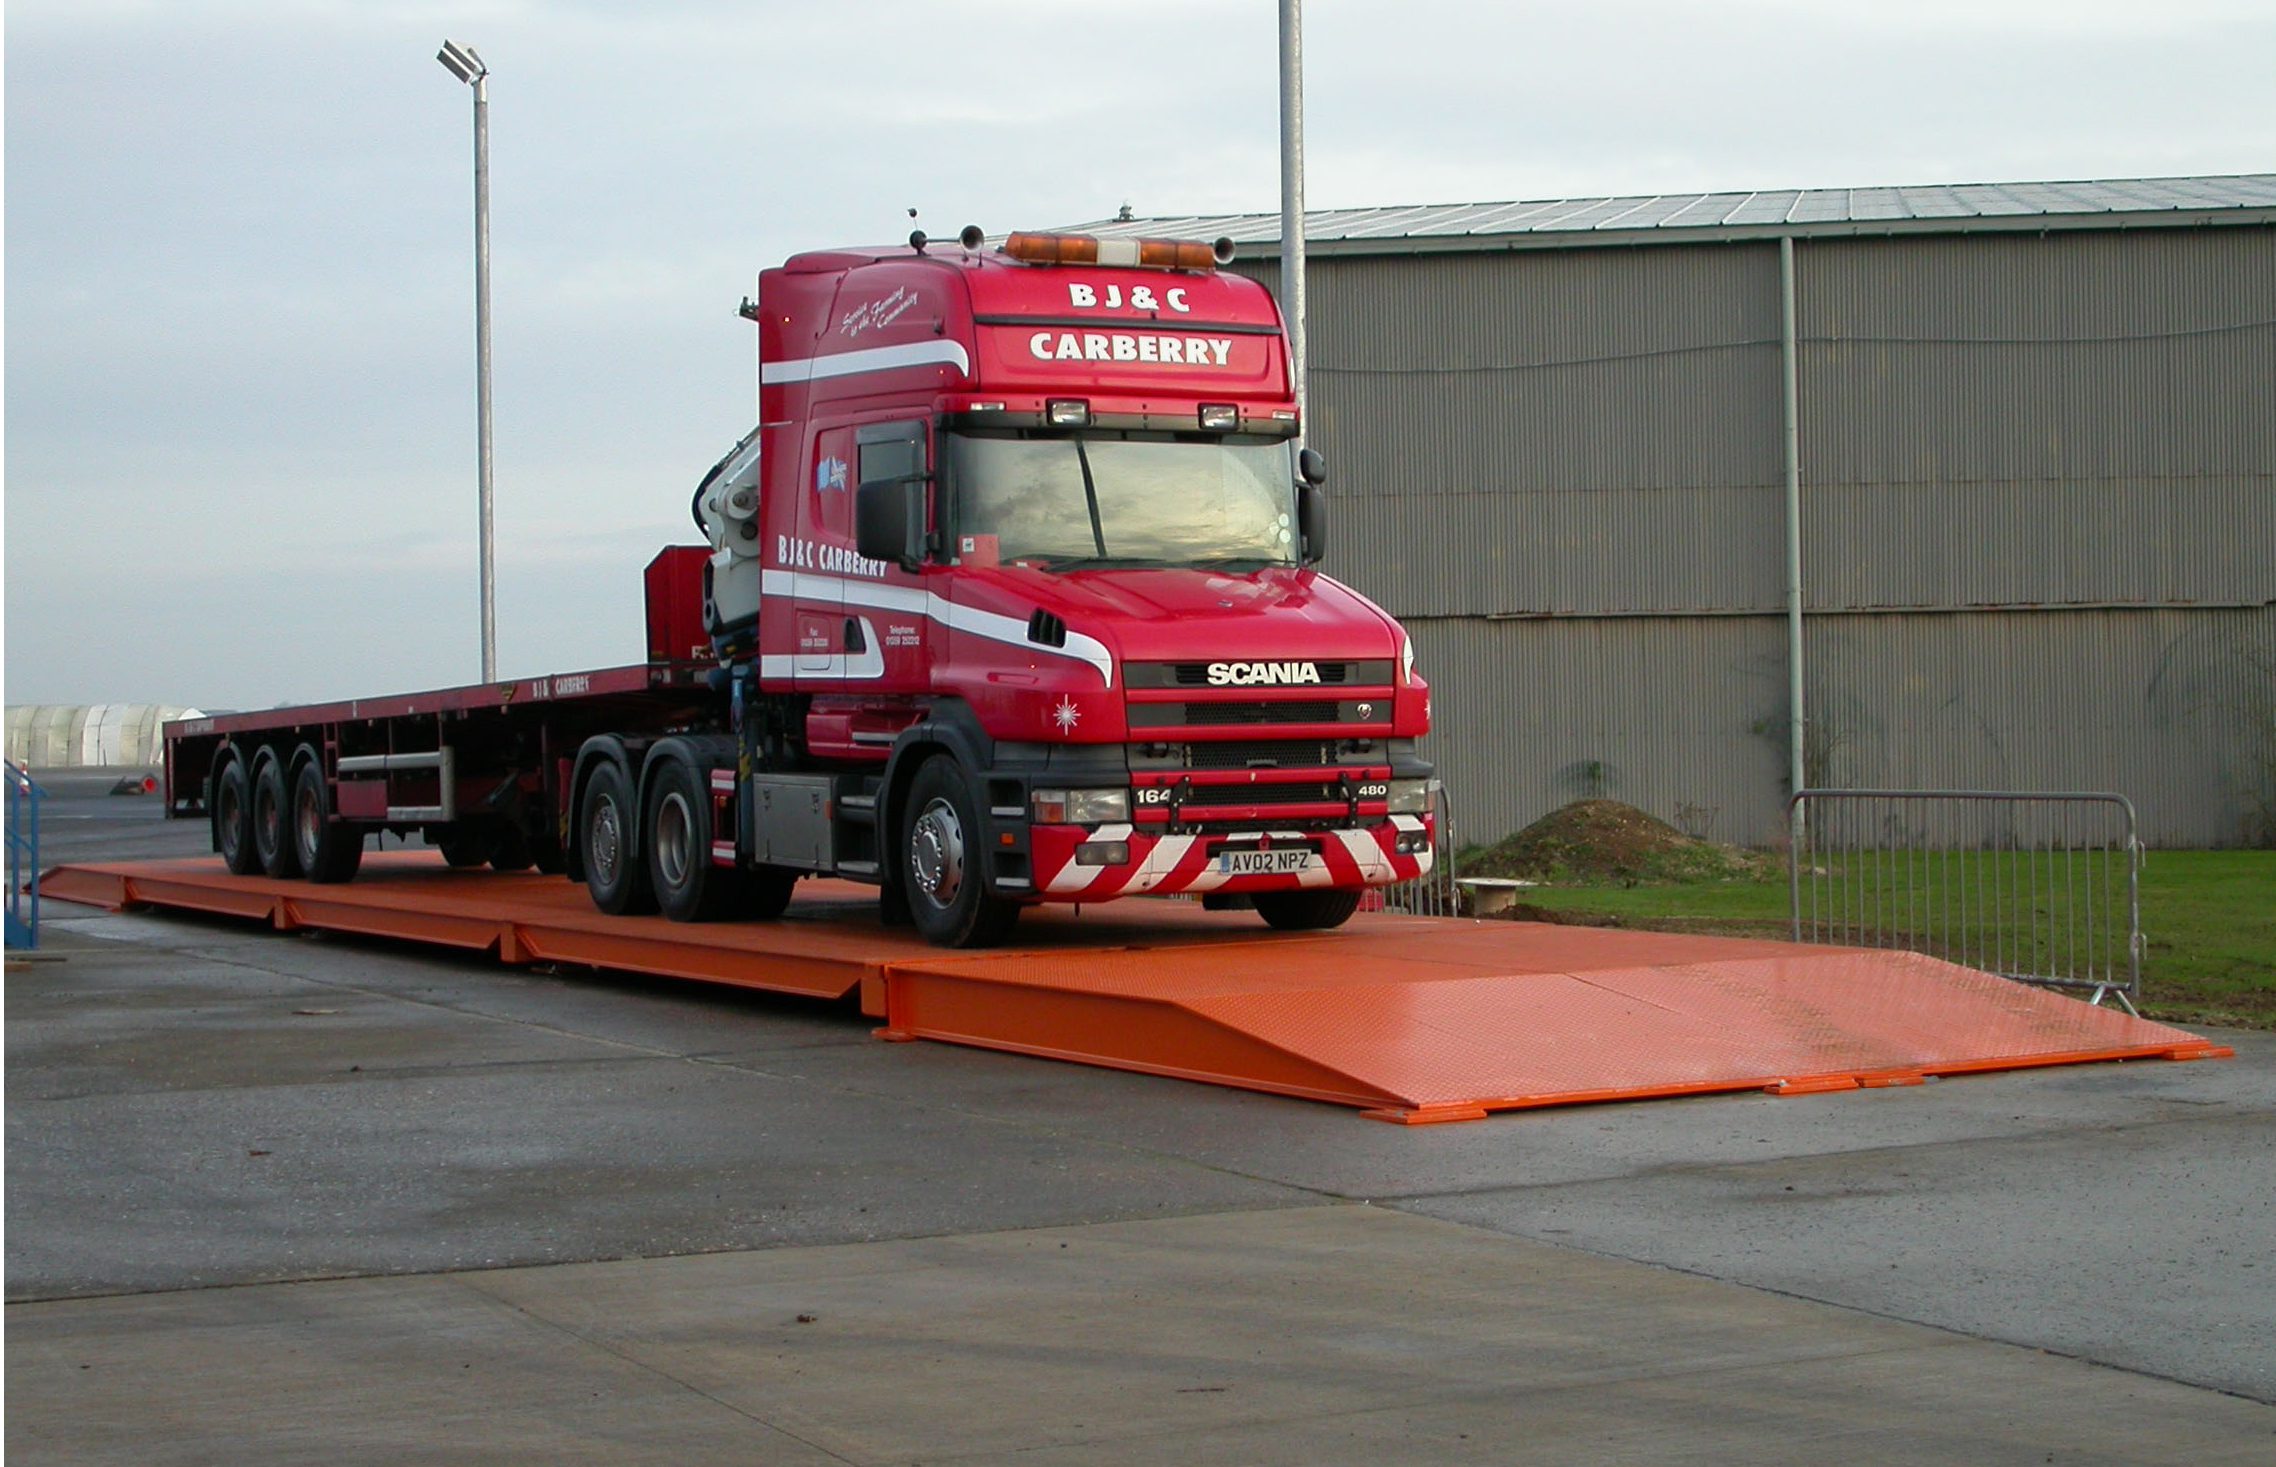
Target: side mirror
x=889, y=520
x=1312, y=521
x=1310, y=467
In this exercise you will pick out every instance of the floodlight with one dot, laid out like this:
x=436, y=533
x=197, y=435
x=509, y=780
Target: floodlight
x=464, y=62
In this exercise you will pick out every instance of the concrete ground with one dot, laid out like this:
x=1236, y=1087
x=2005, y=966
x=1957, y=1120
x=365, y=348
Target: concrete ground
x=280, y=1198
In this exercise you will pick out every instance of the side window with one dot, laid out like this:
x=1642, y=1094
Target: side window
x=891, y=450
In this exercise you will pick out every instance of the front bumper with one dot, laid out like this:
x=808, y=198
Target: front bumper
x=1160, y=862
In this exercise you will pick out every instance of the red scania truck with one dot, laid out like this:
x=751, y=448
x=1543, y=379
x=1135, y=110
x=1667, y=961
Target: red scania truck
x=1009, y=598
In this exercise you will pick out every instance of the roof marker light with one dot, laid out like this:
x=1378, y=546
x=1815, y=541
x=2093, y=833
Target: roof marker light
x=1083, y=249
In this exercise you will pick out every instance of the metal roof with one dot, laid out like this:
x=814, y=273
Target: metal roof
x=2115, y=203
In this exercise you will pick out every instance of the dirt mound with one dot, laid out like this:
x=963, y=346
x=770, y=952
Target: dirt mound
x=1592, y=841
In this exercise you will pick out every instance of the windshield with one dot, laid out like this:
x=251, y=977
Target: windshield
x=1116, y=500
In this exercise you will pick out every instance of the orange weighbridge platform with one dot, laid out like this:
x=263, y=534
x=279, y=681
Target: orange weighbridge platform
x=1412, y=1019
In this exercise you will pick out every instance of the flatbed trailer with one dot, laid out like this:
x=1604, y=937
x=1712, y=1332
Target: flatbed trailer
x=482, y=772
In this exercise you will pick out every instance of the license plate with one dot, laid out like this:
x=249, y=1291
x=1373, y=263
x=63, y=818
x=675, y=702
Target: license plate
x=1281, y=862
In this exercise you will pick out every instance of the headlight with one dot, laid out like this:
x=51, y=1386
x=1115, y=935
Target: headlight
x=1410, y=796
x=1080, y=807
x=1097, y=807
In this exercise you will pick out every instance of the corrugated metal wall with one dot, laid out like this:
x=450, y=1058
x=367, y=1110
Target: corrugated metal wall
x=2052, y=457
x=2084, y=419
x=1686, y=716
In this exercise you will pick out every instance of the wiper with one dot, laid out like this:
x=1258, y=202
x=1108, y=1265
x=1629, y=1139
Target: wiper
x=1090, y=497
x=1107, y=562
x=1236, y=563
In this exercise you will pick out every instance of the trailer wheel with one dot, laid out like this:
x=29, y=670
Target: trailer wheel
x=941, y=858
x=678, y=828
x=605, y=820
x=272, y=820
x=1303, y=911
x=327, y=850
x=233, y=819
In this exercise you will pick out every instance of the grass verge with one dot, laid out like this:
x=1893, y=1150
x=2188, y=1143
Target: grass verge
x=2209, y=917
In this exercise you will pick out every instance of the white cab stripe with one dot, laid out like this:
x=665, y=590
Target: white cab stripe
x=870, y=359
x=994, y=626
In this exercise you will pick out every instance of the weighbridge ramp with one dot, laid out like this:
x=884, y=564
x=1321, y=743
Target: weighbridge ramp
x=1411, y=1019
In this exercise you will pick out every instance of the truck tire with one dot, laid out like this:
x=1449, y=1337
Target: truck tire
x=233, y=819
x=677, y=835
x=1304, y=911
x=272, y=818
x=941, y=862
x=606, y=818
x=328, y=851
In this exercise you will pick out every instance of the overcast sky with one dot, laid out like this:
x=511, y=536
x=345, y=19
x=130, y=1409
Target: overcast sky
x=240, y=429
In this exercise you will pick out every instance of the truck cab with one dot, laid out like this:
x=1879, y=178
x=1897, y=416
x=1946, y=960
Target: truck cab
x=1014, y=594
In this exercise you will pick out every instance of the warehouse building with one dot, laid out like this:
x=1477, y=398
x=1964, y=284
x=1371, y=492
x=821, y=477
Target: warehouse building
x=2035, y=456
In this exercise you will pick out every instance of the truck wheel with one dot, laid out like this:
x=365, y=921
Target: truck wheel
x=272, y=821
x=1302, y=911
x=328, y=851
x=233, y=819
x=941, y=861
x=605, y=819
x=688, y=887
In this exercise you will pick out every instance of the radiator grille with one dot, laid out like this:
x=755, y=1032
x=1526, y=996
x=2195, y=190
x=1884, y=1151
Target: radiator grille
x=1306, y=793
x=1218, y=715
x=1262, y=754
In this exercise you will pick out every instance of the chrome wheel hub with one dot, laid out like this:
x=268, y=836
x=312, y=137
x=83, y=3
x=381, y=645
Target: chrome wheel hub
x=936, y=852
x=606, y=844
x=674, y=835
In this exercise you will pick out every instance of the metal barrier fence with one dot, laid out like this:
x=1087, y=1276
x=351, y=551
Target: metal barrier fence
x=2040, y=887
x=1433, y=894
x=23, y=858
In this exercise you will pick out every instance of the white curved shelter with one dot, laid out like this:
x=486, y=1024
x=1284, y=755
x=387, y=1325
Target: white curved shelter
x=97, y=735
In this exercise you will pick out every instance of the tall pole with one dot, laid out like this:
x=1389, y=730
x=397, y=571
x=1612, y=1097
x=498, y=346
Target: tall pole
x=1292, y=189
x=482, y=365
x=465, y=63
x=1788, y=351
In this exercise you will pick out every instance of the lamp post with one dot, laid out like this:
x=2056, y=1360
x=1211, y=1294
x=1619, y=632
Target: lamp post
x=465, y=63
x=1292, y=190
